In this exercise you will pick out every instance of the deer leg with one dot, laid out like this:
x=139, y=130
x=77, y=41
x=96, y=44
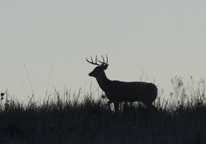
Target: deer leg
x=108, y=103
x=151, y=107
x=116, y=106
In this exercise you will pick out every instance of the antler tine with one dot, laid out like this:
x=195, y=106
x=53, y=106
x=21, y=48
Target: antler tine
x=107, y=59
x=91, y=59
x=96, y=59
x=88, y=60
x=103, y=60
x=92, y=62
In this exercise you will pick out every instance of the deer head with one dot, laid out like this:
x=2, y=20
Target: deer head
x=99, y=70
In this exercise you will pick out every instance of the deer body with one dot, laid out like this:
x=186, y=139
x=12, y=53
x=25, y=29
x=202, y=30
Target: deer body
x=118, y=91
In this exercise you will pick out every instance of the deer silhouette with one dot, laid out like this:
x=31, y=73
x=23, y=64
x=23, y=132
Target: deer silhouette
x=119, y=91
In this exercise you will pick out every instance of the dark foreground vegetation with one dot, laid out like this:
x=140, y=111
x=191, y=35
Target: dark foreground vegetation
x=180, y=119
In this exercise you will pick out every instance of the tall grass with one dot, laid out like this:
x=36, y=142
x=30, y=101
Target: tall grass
x=181, y=119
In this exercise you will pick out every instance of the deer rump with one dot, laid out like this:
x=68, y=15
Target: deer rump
x=132, y=91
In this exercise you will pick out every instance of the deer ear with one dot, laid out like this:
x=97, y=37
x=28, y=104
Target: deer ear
x=105, y=66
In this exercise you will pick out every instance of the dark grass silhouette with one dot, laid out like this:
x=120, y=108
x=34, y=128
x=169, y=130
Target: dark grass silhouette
x=180, y=120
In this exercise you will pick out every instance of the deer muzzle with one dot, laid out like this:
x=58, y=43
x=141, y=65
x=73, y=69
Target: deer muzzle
x=90, y=74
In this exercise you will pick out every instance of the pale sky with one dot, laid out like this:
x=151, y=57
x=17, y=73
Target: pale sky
x=159, y=39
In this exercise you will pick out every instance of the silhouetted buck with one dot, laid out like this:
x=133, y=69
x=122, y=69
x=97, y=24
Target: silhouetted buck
x=117, y=91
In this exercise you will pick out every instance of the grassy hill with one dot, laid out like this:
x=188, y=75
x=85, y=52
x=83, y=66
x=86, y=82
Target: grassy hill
x=180, y=119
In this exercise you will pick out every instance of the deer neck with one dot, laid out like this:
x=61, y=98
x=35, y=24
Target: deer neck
x=104, y=82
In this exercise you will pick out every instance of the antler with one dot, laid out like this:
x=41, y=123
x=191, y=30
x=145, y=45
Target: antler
x=103, y=60
x=95, y=63
x=92, y=61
